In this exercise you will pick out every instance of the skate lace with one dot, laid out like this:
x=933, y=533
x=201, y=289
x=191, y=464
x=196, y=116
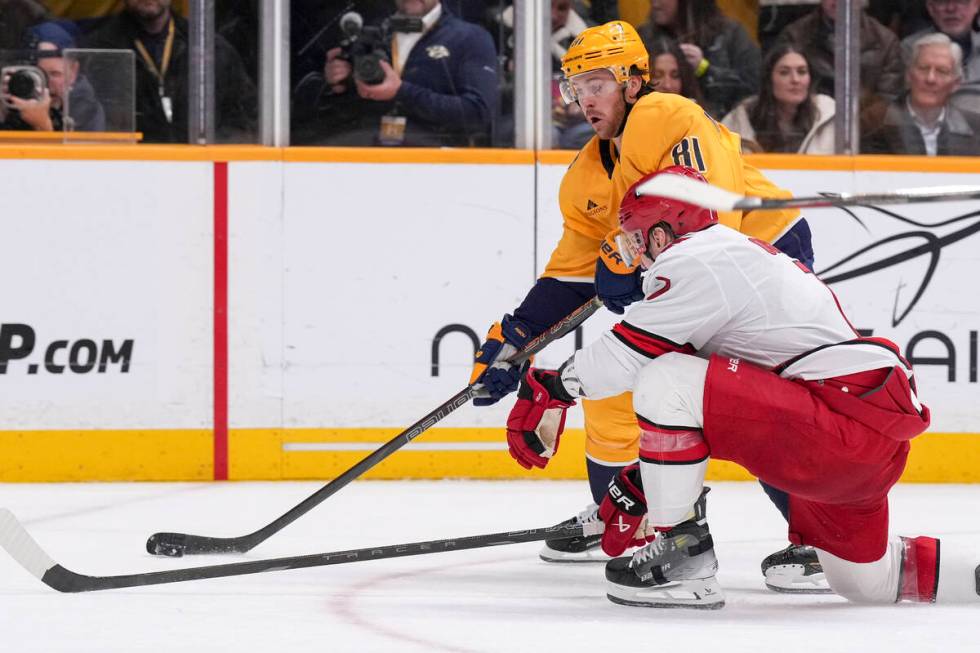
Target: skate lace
x=588, y=516
x=650, y=551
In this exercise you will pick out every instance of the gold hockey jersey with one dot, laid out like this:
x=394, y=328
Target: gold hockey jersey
x=663, y=130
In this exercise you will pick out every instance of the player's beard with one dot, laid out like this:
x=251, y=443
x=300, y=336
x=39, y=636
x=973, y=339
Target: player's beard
x=609, y=122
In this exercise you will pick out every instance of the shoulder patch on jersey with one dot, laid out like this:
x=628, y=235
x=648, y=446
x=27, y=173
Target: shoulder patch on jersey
x=661, y=285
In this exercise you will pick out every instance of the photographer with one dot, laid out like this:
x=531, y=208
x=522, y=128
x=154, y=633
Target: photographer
x=160, y=40
x=423, y=78
x=34, y=98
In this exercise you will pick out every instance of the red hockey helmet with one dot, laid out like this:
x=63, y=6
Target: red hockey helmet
x=639, y=213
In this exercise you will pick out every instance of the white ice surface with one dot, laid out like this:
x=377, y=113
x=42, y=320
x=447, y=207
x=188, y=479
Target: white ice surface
x=496, y=599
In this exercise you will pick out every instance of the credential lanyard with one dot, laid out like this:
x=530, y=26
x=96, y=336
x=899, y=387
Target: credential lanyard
x=161, y=72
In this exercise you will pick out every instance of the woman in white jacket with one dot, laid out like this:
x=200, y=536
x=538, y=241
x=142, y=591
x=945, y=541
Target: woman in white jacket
x=786, y=116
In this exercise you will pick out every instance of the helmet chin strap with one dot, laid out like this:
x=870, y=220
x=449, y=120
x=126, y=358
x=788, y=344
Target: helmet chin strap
x=626, y=114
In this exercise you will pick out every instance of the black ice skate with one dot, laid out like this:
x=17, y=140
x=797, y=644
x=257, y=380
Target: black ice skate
x=577, y=549
x=677, y=570
x=795, y=570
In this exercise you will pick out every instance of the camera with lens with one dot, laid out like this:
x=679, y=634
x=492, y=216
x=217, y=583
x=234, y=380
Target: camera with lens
x=367, y=46
x=22, y=81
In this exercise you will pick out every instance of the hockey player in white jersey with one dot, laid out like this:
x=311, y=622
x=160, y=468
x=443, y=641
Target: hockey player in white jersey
x=741, y=353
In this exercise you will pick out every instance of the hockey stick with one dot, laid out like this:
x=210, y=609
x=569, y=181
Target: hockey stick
x=711, y=197
x=178, y=544
x=29, y=555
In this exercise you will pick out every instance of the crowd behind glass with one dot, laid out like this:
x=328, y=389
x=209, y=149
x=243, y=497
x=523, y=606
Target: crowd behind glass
x=435, y=73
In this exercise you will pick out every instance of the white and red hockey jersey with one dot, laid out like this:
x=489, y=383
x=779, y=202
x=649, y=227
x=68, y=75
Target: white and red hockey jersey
x=717, y=291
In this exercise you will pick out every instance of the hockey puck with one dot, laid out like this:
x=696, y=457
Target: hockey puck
x=166, y=544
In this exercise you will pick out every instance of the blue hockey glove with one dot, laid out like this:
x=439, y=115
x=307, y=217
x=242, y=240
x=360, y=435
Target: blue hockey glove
x=616, y=284
x=490, y=367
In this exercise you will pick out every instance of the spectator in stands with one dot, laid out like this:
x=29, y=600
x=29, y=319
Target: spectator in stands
x=439, y=90
x=238, y=23
x=160, y=39
x=314, y=28
x=958, y=20
x=570, y=131
x=16, y=16
x=881, y=60
x=566, y=24
x=924, y=121
x=787, y=116
x=670, y=71
x=903, y=17
x=725, y=60
x=47, y=111
x=601, y=11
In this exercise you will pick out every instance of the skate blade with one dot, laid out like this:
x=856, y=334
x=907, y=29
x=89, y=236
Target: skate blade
x=592, y=555
x=789, y=579
x=701, y=594
x=595, y=554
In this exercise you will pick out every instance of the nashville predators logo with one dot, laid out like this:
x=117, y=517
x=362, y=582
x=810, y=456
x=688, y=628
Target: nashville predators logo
x=437, y=52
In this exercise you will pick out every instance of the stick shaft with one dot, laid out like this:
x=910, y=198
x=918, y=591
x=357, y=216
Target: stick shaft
x=65, y=580
x=911, y=196
x=694, y=192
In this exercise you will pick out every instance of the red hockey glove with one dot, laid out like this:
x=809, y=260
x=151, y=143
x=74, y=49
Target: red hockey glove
x=536, y=421
x=623, y=510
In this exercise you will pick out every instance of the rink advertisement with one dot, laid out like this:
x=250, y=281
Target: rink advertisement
x=105, y=320
x=19, y=341
x=899, y=272
x=357, y=291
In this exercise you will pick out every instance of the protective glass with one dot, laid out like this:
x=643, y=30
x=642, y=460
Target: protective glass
x=577, y=88
x=99, y=88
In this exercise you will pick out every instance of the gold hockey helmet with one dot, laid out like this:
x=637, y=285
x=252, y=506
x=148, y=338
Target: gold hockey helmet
x=614, y=46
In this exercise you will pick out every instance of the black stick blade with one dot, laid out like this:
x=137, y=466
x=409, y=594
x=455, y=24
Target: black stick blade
x=175, y=545
x=166, y=544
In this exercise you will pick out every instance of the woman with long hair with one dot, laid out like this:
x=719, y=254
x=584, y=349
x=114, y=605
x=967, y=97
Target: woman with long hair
x=786, y=116
x=670, y=71
x=723, y=56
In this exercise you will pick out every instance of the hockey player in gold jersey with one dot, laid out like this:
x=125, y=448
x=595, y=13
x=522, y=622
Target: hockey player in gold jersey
x=637, y=131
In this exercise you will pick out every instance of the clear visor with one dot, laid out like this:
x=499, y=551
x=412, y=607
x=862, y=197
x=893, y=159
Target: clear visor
x=633, y=248
x=586, y=85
